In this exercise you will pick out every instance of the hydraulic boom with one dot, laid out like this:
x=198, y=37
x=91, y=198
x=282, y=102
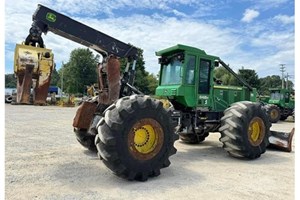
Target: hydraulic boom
x=45, y=19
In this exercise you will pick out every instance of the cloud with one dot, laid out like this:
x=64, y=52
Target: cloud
x=178, y=13
x=249, y=15
x=258, y=45
x=285, y=19
x=153, y=33
x=271, y=4
x=109, y=8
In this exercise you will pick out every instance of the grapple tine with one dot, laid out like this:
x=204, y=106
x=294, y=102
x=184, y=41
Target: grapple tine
x=281, y=140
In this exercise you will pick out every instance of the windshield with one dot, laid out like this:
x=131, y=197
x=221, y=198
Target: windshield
x=276, y=96
x=171, y=73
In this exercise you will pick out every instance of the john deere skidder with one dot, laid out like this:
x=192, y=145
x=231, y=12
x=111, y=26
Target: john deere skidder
x=133, y=133
x=281, y=104
x=187, y=79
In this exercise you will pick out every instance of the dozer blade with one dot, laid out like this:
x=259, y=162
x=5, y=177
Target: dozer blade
x=281, y=140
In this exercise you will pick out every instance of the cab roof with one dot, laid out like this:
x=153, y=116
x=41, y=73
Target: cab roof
x=181, y=47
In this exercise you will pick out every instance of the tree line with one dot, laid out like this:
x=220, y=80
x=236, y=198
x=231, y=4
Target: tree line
x=81, y=71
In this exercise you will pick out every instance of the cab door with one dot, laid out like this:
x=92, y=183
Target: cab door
x=189, y=80
x=204, y=82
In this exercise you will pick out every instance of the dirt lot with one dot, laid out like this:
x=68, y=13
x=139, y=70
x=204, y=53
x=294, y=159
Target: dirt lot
x=43, y=160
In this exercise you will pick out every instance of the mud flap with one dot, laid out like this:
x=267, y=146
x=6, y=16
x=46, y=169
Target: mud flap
x=281, y=140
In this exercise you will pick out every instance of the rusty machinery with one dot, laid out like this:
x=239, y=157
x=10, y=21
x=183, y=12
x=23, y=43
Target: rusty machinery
x=132, y=133
x=33, y=67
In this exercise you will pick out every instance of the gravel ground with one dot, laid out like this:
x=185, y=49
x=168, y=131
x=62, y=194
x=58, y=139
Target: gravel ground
x=43, y=160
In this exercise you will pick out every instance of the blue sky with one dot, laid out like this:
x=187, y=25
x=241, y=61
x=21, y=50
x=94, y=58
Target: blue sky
x=245, y=33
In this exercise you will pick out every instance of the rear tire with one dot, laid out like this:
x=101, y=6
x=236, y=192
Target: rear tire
x=192, y=138
x=274, y=113
x=136, y=137
x=86, y=137
x=245, y=129
x=283, y=117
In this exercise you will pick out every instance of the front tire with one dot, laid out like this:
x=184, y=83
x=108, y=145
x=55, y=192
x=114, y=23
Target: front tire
x=245, y=129
x=136, y=137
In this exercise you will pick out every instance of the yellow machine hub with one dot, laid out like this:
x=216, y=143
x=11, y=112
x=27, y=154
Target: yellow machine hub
x=256, y=131
x=145, y=139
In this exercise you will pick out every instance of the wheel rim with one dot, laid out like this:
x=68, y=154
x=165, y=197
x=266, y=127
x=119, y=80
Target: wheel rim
x=274, y=114
x=145, y=139
x=256, y=131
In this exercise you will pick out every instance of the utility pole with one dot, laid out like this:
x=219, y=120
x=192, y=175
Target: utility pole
x=282, y=69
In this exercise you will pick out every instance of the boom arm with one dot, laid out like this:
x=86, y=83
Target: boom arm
x=45, y=19
x=235, y=75
x=110, y=89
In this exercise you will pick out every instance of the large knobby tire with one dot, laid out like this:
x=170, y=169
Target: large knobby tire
x=136, y=137
x=86, y=137
x=192, y=138
x=245, y=129
x=274, y=113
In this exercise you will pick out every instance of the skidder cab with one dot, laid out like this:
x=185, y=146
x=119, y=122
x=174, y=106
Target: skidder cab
x=185, y=76
x=187, y=79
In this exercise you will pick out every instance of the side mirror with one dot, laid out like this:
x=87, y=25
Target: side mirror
x=163, y=60
x=180, y=57
x=216, y=63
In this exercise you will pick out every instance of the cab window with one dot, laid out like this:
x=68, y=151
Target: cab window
x=204, y=77
x=190, y=70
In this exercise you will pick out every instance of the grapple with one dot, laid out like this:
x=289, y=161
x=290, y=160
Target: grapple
x=33, y=67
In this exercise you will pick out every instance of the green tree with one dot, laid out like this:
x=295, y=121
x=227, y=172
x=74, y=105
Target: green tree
x=80, y=71
x=10, y=81
x=152, y=83
x=54, y=78
x=273, y=81
x=143, y=81
x=250, y=76
x=225, y=76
